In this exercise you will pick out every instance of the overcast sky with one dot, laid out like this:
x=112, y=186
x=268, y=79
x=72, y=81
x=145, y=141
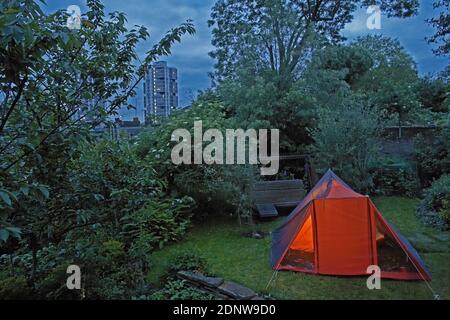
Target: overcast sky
x=191, y=56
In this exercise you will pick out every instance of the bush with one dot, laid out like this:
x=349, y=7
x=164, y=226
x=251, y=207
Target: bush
x=432, y=94
x=159, y=222
x=179, y=290
x=15, y=288
x=434, y=209
x=110, y=178
x=113, y=249
x=187, y=261
x=53, y=285
x=216, y=189
x=108, y=269
x=347, y=140
x=395, y=179
x=432, y=154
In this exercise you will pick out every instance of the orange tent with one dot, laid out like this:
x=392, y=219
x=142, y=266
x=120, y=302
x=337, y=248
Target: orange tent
x=338, y=231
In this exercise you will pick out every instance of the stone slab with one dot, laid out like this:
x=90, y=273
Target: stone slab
x=212, y=282
x=237, y=291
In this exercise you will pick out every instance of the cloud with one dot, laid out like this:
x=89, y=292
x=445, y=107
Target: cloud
x=191, y=56
x=411, y=33
x=358, y=25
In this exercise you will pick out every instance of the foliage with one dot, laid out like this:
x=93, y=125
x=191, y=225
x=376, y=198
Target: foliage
x=157, y=145
x=159, y=222
x=187, y=261
x=252, y=100
x=111, y=191
x=395, y=179
x=333, y=74
x=391, y=82
x=109, y=177
x=179, y=290
x=15, y=288
x=347, y=140
x=373, y=69
x=278, y=34
x=108, y=268
x=56, y=85
x=435, y=206
x=62, y=195
x=432, y=94
x=345, y=63
x=441, y=24
x=53, y=285
x=103, y=184
x=215, y=188
x=432, y=154
x=113, y=249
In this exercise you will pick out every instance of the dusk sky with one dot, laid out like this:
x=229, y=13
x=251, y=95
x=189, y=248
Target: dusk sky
x=191, y=56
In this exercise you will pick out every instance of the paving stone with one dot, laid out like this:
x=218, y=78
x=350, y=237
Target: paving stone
x=212, y=282
x=237, y=291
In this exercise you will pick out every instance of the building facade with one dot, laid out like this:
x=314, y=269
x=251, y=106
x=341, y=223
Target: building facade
x=160, y=90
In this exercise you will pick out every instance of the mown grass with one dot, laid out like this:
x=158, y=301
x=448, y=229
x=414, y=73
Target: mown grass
x=246, y=261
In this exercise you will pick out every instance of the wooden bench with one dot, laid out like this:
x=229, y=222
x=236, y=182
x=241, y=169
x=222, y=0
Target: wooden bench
x=268, y=195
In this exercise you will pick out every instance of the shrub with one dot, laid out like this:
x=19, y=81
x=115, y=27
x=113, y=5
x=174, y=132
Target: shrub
x=109, y=271
x=53, y=285
x=187, y=261
x=179, y=290
x=213, y=187
x=113, y=249
x=347, y=140
x=15, y=288
x=432, y=154
x=160, y=221
x=395, y=179
x=434, y=209
x=110, y=178
x=432, y=94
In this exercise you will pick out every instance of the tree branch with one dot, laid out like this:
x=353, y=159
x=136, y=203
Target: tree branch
x=14, y=103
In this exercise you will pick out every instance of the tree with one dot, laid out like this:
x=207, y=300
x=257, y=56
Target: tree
x=216, y=188
x=255, y=101
x=346, y=139
x=392, y=80
x=263, y=50
x=58, y=84
x=442, y=25
x=279, y=34
x=433, y=94
x=334, y=74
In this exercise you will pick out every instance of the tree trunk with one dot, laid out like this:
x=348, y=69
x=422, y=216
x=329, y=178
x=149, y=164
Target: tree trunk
x=34, y=247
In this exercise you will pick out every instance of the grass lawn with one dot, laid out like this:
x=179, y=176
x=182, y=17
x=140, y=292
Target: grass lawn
x=246, y=261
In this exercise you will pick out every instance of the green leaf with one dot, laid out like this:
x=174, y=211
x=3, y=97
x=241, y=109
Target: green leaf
x=16, y=232
x=44, y=191
x=4, y=235
x=25, y=190
x=98, y=197
x=6, y=198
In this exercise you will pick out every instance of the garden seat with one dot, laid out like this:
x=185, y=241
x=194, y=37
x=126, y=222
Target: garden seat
x=268, y=195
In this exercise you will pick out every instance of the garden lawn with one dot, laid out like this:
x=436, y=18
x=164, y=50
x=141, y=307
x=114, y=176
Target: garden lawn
x=246, y=261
